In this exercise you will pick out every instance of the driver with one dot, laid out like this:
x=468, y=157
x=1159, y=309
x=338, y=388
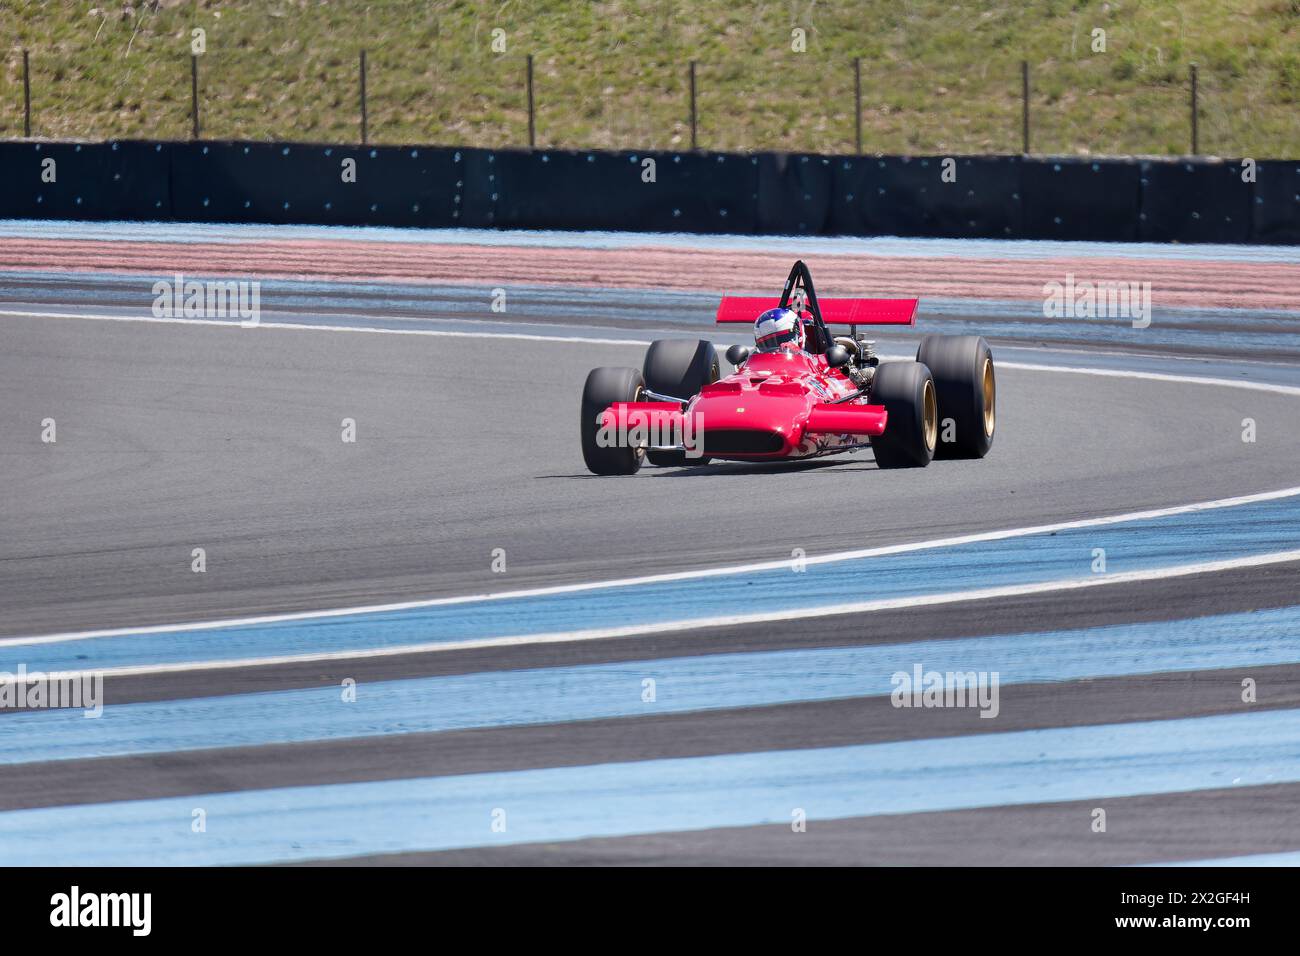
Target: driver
x=778, y=327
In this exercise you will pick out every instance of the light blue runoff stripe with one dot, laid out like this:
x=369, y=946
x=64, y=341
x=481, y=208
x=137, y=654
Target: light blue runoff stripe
x=373, y=300
x=1240, y=341
x=696, y=793
x=648, y=308
x=1223, y=533
x=1248, y=331
x=587, y=692
x=1257, y=859
x=795, y=245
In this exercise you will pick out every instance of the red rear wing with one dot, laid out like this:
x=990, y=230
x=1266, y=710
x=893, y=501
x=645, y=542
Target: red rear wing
x=834, y=311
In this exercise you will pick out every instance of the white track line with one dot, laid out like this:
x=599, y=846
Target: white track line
x=307, y=327
x=1157, y=377
x=588, y=340
x=607, y=633
x=836, y=556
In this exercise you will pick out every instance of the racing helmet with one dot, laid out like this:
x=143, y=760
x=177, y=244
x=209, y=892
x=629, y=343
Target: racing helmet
x=776, y=327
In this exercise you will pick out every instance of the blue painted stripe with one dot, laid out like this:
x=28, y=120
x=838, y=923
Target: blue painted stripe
x=1235, y=340
x=1134, y=363
x=638, y=306
x=1239, y=531
x=635, y=338
x=127, y=290
x=1248, y=331
x=569, y=803
x=715, y=682
x=653, y=318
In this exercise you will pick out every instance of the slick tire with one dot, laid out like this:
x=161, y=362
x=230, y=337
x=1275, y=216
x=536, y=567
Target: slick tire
x=679, y=367
x=605, y=387
x=907, y=391
x=965, y=382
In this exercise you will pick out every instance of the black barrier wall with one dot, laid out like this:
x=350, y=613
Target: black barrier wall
x=288, y=183
x=996, y=197
x=1081, y=199
x=126, y=180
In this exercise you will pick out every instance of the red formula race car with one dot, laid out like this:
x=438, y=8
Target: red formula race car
x=801, y=392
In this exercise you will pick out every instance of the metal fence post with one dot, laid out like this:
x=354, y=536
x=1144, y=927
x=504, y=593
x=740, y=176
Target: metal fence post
x=194, y=96
x=1195, y=125
x=27, y=99
x=1024, y=104
x=692, y=104
x=364, y=118
x=857, y=103
x=532, y=122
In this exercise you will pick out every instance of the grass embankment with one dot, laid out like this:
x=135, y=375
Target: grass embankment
x=937, y=77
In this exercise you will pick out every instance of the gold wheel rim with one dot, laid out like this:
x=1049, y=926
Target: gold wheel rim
x=931, y=415
x=990, y=398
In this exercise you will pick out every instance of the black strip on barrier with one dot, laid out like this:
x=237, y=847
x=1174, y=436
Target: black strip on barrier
x=963, y=196
x=1194, y=202
x=114, y=180
x=294, y=183
x=1080, y=199
x=1276, y=202
x=794, y=193
x=650, y=192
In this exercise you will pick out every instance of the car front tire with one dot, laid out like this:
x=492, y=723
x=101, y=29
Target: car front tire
x=907, y=391
x=680, y=368
x=606, y=387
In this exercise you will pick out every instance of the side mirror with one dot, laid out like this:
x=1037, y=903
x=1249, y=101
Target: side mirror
x=837, y=356
x=738, y=354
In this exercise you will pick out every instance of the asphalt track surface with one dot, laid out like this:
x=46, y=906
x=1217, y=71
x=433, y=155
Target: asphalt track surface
x=173, y=437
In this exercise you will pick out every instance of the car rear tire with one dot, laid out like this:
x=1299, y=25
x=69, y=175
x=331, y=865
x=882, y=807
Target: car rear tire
x=907, y=391
x=964, y=380
x=606, y=387
x=680, y=368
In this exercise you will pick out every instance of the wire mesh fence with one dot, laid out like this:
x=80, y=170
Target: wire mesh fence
x=450, y=83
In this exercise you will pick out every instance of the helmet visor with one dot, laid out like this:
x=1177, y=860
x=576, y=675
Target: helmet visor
x=774, y=329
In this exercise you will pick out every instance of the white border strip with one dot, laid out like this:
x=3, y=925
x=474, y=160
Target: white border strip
x=589, y=340
x=307, y=327
x=668, y=627
x=1157, y=377
x=833, y=557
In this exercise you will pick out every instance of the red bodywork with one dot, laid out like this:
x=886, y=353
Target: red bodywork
x=778, y=404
